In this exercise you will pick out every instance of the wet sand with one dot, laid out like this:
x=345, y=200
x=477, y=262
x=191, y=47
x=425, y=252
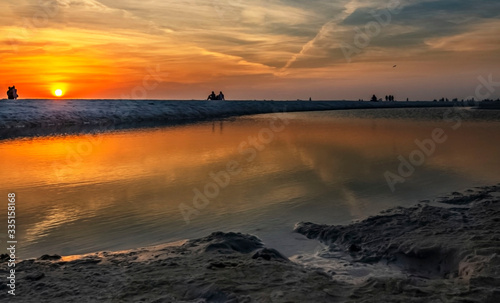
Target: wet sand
x=445, y=250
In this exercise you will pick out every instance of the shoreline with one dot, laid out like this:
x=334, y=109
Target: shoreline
x=405, y=254
x=26, y=118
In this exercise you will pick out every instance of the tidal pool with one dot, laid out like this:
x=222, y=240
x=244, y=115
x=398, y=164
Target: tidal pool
x=255, y=174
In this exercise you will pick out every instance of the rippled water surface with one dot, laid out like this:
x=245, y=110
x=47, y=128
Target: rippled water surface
x=257, y=174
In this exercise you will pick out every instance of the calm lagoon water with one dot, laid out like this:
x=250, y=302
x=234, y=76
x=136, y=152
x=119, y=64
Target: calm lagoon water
x=119, y=190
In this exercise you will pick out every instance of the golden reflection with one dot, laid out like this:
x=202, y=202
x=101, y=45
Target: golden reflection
x=115, y=179
x=113, y=157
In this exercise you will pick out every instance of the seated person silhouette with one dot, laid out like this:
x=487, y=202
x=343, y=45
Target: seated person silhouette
x=12, y=93
x=212, y=96
x=220, y=96
x=15, y=92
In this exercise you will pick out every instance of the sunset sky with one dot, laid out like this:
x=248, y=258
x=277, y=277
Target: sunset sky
x=252, y=49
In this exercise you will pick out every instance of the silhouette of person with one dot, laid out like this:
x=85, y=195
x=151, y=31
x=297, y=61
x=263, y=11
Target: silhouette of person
x=212, y=96
x=9, y=93
x=220, y=96
x=12, y=93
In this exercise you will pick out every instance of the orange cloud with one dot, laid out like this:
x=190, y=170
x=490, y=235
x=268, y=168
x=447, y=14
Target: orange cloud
x=254, y=49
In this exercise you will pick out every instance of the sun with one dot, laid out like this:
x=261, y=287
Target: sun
x=58, y=92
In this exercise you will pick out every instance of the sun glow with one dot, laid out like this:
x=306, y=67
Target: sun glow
x=58, y=93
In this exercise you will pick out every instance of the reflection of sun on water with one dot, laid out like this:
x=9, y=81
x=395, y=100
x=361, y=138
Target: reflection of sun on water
x=58, y=92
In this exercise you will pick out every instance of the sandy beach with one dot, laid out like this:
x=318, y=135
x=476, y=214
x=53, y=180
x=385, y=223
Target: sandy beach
x=444, y=250
x=250, y=151
x=45, y=117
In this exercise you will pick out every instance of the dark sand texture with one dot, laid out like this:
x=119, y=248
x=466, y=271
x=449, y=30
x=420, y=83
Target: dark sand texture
x=444, y=252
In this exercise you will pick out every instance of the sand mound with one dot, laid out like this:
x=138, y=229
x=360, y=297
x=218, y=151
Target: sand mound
x=444, y=251
x=424, y=253
x=226, y=243
x=222, y=267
